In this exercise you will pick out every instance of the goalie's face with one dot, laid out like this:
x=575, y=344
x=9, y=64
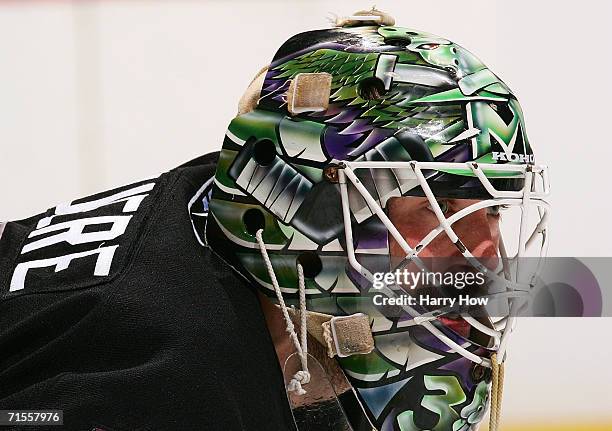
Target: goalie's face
x=414, y=218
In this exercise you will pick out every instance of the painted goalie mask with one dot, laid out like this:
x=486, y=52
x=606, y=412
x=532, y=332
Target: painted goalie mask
x=342, y=122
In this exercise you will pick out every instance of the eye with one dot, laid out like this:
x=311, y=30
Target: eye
x=496, y=210
x=444, y=206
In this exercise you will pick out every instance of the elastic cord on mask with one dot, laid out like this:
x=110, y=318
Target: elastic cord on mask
x=302, y=377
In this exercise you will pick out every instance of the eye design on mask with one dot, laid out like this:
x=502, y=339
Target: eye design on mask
x=428, y=46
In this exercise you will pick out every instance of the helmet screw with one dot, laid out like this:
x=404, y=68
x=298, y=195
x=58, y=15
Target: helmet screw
x=331, y=173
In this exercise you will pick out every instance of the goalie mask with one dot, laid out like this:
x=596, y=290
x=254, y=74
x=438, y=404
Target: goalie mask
x=343, y=123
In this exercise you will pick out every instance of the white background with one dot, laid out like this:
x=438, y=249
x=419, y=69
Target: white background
x=98, y=94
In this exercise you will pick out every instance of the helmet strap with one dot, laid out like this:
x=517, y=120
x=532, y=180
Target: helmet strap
x=497, y=388
x=302, y=376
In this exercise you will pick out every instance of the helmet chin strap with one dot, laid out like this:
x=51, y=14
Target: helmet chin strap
x=342, y=336
x=497, y=389
x=301, y=377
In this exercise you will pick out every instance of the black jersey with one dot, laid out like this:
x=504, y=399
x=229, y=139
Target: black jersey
x=114, y=310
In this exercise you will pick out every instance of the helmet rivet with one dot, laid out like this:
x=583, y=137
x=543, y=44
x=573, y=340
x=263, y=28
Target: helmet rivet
x=331, y=173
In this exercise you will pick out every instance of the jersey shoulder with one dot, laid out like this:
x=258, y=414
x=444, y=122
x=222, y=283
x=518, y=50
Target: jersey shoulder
x=91, y=240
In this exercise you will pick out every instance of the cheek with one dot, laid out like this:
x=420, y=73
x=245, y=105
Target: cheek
x=394, y=247
x=441, y=246
x=413, y=229
x=494, y=229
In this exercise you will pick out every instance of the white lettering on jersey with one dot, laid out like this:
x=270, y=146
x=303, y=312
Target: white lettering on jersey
x=73, y=233
x=103, y=264
x=132, y=197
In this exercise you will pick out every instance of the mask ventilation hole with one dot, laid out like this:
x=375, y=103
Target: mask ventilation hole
x=311, y=263
x=253, y=220
x=371, y=88
x=401, y=42
x=398, y=37
x=264, y=152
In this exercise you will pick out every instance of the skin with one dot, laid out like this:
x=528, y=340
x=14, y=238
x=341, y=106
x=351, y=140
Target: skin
x=479, y=231
x=414, y=219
